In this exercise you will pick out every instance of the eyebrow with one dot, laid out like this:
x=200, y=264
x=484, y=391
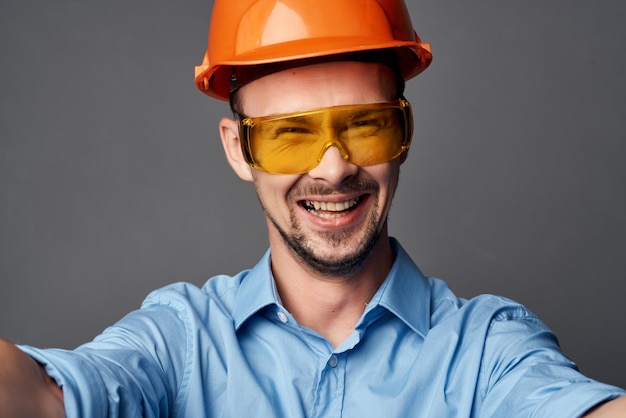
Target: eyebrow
x=361, y=113
x=296, y=119
x=305, y=117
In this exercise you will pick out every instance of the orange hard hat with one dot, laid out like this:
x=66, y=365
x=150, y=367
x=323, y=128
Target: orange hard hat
x=247, y=35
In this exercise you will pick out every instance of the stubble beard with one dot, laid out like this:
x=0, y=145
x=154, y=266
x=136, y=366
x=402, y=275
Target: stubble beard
x=333, y=266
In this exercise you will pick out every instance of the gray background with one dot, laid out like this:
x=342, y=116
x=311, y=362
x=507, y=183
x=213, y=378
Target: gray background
x=113, y=183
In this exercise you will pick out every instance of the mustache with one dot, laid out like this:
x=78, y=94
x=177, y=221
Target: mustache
x=354, y=186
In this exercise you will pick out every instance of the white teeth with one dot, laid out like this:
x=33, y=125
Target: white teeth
x=330, y=206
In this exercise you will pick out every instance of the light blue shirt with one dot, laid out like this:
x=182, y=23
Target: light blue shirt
x=230, y=349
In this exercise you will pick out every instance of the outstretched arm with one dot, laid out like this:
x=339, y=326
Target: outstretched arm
x=26, y=390
x=615, y=408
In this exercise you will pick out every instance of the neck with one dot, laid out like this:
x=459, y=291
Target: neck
x=329, y=305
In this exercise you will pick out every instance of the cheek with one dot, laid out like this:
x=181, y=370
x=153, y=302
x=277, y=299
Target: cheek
x=386, y=175
x=273, y=189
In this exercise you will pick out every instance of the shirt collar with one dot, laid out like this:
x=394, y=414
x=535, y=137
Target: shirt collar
x=256, y=291
x=405, y=292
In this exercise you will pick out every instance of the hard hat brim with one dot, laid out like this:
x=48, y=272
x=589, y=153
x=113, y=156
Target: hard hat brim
x=415, y=57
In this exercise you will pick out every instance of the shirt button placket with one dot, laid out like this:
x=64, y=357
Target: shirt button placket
x=331, y=390
x=282, y=317
x=332, y=362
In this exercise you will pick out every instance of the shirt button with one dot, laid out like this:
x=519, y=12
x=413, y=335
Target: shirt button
x=283, y=318
x=332, y=362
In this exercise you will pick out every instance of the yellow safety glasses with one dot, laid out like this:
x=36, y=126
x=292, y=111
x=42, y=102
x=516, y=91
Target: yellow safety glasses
x=295, y=143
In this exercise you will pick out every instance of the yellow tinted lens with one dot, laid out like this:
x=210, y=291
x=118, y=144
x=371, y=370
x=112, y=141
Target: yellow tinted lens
x=295, y=143
x=374, y=136
x=287, y=144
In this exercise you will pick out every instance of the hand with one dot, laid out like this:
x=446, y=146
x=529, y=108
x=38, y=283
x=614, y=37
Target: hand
x=615, y=408
x=26, y=390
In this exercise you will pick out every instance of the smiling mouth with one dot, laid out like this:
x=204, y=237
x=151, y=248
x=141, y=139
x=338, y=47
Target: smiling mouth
x=330, y=210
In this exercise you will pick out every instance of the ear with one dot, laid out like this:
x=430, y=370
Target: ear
x=229, y=132
x=403, y=156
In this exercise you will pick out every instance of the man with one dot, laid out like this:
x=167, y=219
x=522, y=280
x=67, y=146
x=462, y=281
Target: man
x=335, y=320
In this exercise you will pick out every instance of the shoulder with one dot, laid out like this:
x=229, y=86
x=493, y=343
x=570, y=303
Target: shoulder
x=485, y=308
x=218, y=293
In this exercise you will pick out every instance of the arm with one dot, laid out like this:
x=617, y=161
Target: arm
x=26, y=390
x=615, y=408
x=527, y=371
x=134, y=368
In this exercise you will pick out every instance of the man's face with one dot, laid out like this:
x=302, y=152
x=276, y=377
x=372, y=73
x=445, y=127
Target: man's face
x=331, y=217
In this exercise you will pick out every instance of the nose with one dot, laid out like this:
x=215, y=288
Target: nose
x=333, y=168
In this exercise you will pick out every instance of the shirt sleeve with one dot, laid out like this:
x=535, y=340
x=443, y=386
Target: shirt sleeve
x=525, y=373
x=133, y=369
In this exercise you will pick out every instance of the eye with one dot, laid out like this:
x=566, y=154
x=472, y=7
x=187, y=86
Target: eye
x=291, y=130
x=367, y=122
x=363, y=127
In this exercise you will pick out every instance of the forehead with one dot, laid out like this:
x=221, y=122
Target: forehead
x=317, y=86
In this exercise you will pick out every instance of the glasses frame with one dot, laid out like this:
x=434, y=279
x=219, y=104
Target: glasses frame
x=246, y=124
